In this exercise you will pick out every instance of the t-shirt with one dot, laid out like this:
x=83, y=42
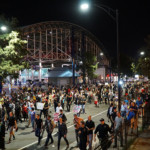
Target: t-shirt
x=77, y=122
x=38, y=123
x=138, y=103
x=90, y=124
x=32, y=115
x=118, y=122
x=123, y=107
x=58, y=109
x=12, y=121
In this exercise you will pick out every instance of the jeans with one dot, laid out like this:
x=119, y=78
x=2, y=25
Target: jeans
x=77, y=136
x=59, y=138
x=41, y=112
x=83, y=108
x=32, y=122
x=68, y=107
x=49, y=136
x=90, y=141
x=118, y=132
x=37, y=133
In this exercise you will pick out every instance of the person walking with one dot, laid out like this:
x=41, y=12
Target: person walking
x=69, y=97
x=77, y=121
x=103, y=130
x=83, y=135
x=118, y=129
x=49, y=126
x=2, y=135
x=46, y=108
x=38, y=128
x=63, y=116
x=90, y=125
x=11, y=124
x=62, y=132
x=83, y=101
x=112, y=117
x=33, y=115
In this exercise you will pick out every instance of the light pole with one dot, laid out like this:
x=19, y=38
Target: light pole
x=114, y=14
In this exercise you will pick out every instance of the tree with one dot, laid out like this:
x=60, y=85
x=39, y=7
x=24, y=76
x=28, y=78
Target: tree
x=89, y=65
x=12, y=51
x=142, y=66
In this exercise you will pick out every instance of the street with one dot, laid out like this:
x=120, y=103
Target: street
x=26, y=140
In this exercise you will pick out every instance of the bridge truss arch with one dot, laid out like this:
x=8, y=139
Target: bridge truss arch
x=51, y=42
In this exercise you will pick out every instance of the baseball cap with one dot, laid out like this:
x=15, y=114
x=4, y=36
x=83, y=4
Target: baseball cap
x=101, y=119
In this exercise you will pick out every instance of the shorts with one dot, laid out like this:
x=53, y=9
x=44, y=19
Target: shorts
x=11, y=129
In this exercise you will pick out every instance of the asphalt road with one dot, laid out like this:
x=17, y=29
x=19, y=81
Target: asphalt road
x=26, y=140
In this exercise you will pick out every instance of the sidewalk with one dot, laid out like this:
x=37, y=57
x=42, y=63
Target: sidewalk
x=142, y=142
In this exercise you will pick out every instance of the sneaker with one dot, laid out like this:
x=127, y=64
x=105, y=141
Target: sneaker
x=53, y=145
x=13, y=137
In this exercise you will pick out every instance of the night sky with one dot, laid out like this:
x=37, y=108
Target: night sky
x=134, y=19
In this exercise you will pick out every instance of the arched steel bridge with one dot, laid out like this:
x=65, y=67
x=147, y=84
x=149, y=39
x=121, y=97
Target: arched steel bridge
x=51, y=42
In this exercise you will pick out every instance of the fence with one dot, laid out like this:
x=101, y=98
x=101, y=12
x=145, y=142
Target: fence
x=128, y=132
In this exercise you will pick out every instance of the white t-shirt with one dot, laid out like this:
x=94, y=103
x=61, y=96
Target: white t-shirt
x=58, y=109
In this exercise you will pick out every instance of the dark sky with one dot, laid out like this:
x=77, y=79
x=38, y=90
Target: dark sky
x=134, y=19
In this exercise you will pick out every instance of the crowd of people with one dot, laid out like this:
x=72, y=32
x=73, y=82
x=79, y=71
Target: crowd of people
x=21, y=107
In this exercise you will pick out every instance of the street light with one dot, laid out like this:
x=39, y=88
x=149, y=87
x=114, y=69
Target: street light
x=84, y=6
x=3, y=28
x=101, y=54
x=142, y=53
x=114, y=14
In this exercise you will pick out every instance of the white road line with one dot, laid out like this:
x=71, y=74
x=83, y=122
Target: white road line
x=56, y=132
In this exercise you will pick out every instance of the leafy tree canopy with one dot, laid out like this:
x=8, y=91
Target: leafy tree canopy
x=12, y=51
x=142, y=65
x=89, y=65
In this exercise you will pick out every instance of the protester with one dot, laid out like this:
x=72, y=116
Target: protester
x=77, y=121
x=83, y=135
x=118, y=126
x=90, y=125
x=2, y=135
x=49, y=126
x=62, y=132
x=11, y=124
x=38, y=128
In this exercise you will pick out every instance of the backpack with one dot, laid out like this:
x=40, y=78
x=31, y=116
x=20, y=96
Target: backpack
x=51, y=127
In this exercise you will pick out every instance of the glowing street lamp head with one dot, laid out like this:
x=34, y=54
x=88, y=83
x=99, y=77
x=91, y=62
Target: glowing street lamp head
x=120, y=82
x=142, y=53
x=101, y=54
x=84, y=6
x=3, y=28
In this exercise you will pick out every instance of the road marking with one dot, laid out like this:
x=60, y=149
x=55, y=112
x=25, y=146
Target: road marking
x=56, y=132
